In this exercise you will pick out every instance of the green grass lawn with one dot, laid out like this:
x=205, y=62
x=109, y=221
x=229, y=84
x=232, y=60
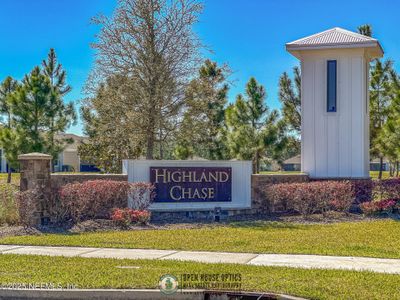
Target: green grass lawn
x=106, y=273
x=375, y=174
x=14, y=178
x=367, y=238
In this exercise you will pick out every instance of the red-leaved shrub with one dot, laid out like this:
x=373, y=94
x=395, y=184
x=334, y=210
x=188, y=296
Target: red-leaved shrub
x=125, y=216
x=387, y=189
x=94, y=199
x=311, y=197
x=381, y=206
x=363, y=190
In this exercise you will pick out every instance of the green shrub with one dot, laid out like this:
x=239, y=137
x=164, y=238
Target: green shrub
x=8, y=206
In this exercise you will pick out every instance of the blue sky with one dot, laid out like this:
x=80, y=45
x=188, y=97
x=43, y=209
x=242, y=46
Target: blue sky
x=249, y=35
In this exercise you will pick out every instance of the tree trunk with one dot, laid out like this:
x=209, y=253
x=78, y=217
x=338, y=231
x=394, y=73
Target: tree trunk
x=380, y=167
x=9, y=175
x=150, y=146
x=397, y=169
x=256, y=164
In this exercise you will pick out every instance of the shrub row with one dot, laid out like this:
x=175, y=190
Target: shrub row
x=312, y=197
x=385, y=206
x=96, y=198
x=319, y=196
x=93, y=199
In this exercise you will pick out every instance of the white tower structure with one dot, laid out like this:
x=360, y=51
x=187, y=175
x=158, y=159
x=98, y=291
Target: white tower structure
x=335, y=102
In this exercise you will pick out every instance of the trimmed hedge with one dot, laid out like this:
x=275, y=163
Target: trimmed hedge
x=319, y=196
x=96, y=198
x=312, y=197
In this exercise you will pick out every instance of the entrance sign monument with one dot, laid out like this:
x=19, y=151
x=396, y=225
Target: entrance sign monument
x=194, y=184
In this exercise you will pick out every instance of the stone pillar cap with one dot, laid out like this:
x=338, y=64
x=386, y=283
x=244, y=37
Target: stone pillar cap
x=35, y=155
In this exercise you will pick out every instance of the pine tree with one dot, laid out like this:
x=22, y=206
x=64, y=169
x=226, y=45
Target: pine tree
x=380, y=103
x=290, y=97
x=30, y=104
x=10, y=138
x=254, y=132
x=204, y=119
x=60, y=115
x=7, y=87
x=381, y=95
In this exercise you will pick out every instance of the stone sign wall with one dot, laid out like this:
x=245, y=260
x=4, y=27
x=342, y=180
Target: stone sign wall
x=194, y=185
x=230, y=187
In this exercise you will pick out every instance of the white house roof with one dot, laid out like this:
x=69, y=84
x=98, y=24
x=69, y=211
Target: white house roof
x=335, y=38
x=293, y=160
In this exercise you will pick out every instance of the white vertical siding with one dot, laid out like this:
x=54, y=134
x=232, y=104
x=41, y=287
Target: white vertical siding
x=344, y=122
x=308, y=142
x=335, y=144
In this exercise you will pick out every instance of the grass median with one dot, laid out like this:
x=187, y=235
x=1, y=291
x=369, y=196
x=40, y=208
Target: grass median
x=113, y=273
x=377, y=238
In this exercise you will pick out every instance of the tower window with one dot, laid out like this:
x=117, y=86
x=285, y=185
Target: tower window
x=331, y=85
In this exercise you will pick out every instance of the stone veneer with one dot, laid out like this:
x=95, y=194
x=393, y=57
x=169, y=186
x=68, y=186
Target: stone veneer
x=35, y=171
x=35, y=174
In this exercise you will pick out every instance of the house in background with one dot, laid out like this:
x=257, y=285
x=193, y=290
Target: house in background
x=292, y=164
x=3, y=163
x=67, y=161
x=374, y=165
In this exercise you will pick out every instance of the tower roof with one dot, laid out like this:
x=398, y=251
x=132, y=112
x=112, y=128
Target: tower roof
x=336, y=38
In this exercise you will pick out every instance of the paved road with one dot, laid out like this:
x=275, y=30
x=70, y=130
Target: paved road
x=379, y=265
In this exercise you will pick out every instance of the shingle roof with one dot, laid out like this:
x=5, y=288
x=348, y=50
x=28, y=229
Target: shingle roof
x=333, y=38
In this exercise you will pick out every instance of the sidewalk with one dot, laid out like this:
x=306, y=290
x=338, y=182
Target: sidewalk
x=379, y=265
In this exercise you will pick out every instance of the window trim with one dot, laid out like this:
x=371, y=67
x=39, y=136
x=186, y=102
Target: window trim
x=328, y=109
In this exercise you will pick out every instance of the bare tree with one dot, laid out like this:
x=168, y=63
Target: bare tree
x=150, y=43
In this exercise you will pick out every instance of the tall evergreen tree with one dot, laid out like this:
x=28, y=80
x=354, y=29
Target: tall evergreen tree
x=30, y=104
x=254, y=131
x=112, y=137
x=7, y=87
x=290, y=97
x=204, y=119
x=10, y=138
x=380, y=88
x=388, y=137
x=380, y=105
x=59, y=114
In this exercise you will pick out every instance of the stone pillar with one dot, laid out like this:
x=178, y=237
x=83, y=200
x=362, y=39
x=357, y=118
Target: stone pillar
x=35, y=170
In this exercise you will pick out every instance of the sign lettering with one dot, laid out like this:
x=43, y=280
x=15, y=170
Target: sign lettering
x=192, y=184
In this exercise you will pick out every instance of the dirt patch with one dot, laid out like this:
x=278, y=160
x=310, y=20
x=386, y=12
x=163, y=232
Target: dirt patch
x=18, y=230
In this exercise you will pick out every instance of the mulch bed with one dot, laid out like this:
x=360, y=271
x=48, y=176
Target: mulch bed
x=99, y=225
